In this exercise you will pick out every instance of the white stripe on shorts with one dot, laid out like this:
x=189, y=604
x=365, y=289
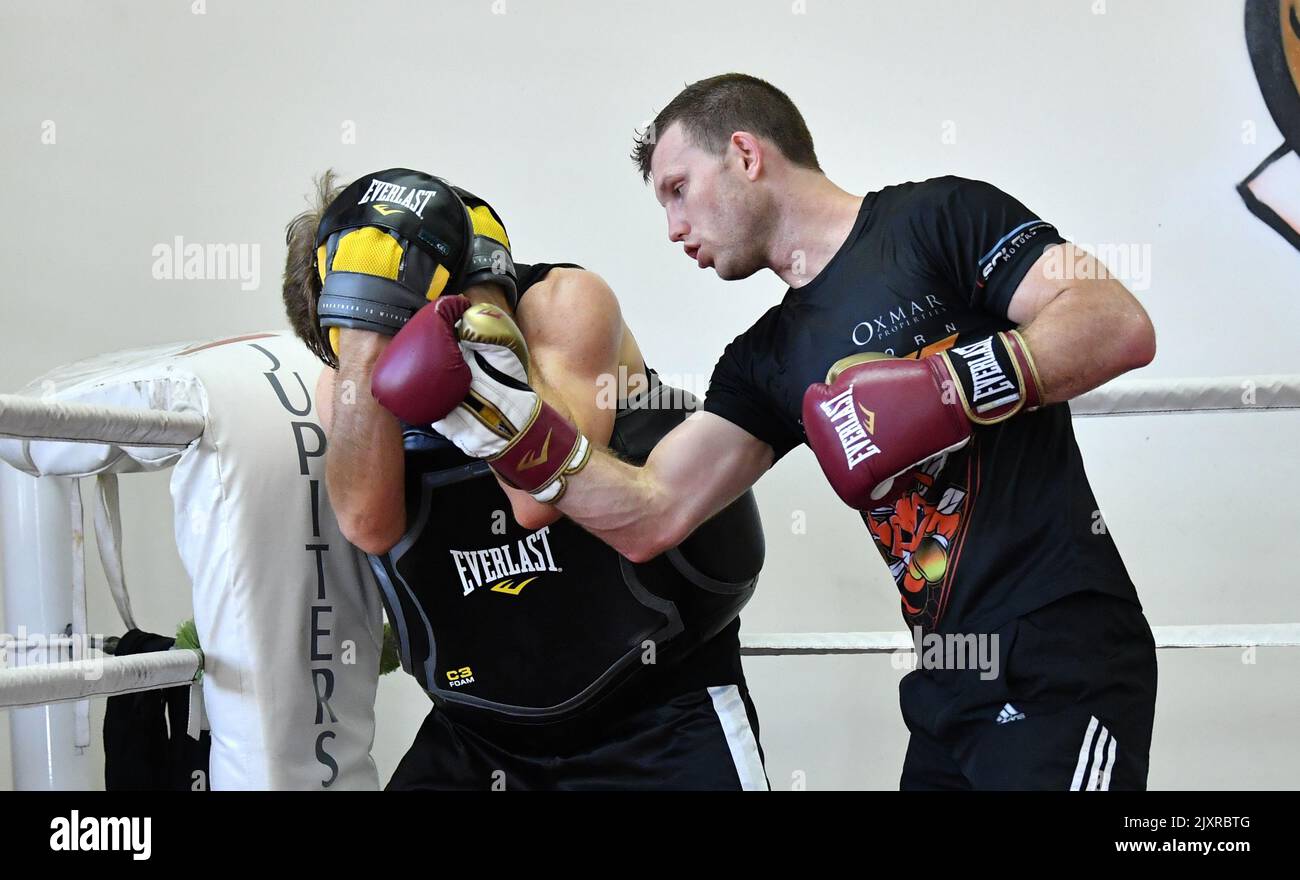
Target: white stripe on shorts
x=1083, y=755
x=730, y=708
x=1103, y=778
x=1100, y=746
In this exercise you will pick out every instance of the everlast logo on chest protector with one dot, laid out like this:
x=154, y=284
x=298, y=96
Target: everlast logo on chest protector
x=854, y=436
x=498, y=566
x=413, y=200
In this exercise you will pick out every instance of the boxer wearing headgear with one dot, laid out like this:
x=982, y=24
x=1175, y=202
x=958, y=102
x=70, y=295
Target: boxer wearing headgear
x=549, y=657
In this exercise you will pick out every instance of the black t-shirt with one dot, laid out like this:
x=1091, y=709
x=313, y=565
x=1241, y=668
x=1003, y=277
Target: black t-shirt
x=999, y=528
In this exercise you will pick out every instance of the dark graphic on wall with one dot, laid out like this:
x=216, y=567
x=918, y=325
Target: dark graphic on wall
x=1272, y=191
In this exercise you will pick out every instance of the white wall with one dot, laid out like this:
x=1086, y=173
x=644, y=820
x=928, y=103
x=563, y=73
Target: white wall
x=1121, y=127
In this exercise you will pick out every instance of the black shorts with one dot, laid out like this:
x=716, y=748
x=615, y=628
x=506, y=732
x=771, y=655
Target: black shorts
x=706, y=738
x=1070, y=708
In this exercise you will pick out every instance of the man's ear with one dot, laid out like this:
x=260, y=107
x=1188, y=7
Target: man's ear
x=751, y=153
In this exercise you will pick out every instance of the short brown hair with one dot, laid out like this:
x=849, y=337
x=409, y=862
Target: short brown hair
x=712, y=109
x=302, y=284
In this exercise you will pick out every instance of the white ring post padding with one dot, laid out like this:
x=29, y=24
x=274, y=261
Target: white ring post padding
x=1262, y=635
x=31, y=418
x=103, y=676
x=1124, y=397
x=36, y=538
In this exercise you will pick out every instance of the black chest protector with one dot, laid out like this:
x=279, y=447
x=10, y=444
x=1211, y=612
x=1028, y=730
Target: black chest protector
x=540, y=625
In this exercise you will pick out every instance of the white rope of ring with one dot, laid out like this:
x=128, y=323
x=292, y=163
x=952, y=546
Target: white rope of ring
x=1260, y=635
x=37, y=419
x=1126, y=397
x=98, y=676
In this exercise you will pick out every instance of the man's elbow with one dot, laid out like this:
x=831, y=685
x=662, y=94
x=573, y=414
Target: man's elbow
x=370, y=533
x=1140, y=342
x=651, y=539
x=533, y=515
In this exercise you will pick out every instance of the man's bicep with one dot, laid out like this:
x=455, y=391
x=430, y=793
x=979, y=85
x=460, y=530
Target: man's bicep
x=1047, y=278
x=575, y=333
x=707, y=462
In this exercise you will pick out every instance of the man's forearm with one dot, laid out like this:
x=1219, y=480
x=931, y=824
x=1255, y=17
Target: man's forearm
x=363, y=463
x=621, y=504
x=699, y=468
x=1087, y=336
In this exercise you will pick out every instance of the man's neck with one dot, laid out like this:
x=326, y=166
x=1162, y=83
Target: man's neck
x=816, y=219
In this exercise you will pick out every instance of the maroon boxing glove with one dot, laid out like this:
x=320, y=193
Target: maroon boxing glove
x=464, y=370
x=877, y=417
x=422, y=375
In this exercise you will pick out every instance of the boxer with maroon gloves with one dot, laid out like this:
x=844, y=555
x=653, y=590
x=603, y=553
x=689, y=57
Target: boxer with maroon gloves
x=923, y=301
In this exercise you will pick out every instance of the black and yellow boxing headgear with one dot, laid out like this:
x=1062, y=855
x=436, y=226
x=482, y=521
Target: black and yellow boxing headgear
x=397, y=239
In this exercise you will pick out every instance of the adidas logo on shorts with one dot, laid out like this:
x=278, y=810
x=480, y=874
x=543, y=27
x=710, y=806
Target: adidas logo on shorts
x=1009, y=713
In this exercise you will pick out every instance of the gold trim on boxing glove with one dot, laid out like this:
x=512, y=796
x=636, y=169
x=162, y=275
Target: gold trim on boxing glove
x=536, y=457
x=491, y=417
x=517, y=435
x=1033, y=367
x=1022, y=394
x=852, y=361
x=487, y=323
x=583, y=455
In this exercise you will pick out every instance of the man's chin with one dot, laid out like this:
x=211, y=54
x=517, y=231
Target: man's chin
x=729, y=272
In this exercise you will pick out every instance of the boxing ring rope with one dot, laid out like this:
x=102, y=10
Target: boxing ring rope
x=28, y=418
x=1246, y=635
x=38, y=419
x=9, y=644
x=1128, y=397
x=99, y=676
